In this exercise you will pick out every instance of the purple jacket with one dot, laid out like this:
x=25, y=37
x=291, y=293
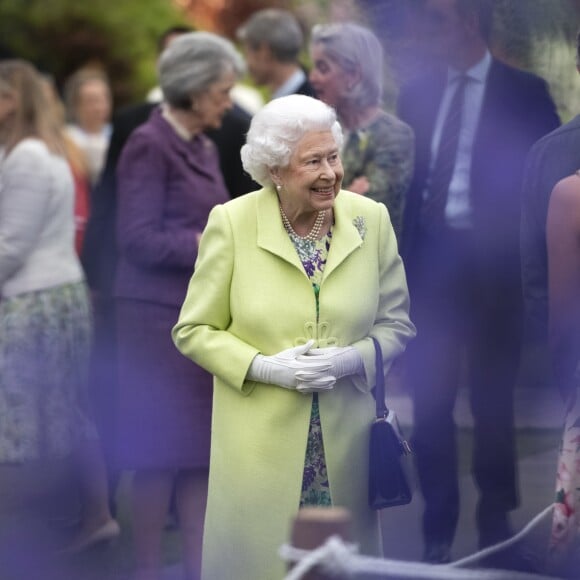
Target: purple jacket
x=167, y=187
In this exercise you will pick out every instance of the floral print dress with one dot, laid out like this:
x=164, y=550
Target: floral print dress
x=44, y=351
x=315, y=488
x=564, y=551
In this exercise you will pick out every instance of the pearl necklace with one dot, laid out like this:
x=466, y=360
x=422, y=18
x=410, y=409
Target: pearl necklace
x=313, y=234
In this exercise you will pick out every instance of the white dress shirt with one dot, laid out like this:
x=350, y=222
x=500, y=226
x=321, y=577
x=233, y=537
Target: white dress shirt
x=291, y=85
x=458, y=210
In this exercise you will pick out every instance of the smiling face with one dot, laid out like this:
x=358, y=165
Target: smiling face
x=313, y=176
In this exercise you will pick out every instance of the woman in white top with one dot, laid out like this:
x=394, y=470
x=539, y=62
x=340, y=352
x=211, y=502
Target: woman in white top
x=45, y=323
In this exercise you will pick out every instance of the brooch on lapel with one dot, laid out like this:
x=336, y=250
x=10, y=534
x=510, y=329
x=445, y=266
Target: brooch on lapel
x=363, y=140
x=360, y=224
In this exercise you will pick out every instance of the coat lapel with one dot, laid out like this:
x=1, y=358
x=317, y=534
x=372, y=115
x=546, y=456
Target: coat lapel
x=186, y=149
x=273, y=238
x=271, y=234
x=345, y=236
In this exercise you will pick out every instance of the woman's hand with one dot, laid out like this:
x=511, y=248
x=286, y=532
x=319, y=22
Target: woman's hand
x=359, y=185
x=289, y=369
x=342, y=360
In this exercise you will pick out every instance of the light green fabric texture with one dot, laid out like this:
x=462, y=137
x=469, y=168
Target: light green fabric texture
x=250, y=294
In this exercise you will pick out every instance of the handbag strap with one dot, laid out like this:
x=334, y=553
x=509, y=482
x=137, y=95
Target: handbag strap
x=382, y=409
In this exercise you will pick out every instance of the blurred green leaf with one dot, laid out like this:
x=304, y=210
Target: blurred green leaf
x=61, y=36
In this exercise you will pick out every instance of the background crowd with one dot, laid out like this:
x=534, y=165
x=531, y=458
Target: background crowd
x=103, y=215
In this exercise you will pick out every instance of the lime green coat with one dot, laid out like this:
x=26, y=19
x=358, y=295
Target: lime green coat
x=249, y=294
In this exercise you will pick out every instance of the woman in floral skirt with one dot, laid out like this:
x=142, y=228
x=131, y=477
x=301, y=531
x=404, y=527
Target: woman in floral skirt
x=45, y=322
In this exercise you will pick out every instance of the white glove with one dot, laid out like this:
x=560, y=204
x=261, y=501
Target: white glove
x=288, y=369
x=315, y=385
x=343, y=361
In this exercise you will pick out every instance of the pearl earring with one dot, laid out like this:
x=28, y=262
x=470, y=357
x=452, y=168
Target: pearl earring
x=278, y=187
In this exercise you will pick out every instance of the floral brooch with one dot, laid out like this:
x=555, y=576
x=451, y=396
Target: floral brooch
x=360, y=224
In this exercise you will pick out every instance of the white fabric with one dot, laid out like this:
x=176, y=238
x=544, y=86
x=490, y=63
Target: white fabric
x=177, y=126
x=94, y=147
x=343, y=360
x=291, y=85
x=285, y=369
x=339, y=559
x=36, y=220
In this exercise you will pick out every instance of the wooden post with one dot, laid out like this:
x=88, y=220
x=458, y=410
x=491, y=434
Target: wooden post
x=314, y=525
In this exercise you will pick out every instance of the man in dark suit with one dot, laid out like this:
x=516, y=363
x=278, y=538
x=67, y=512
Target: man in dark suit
x=474, y=121
x=272, y=40
x=552, y=158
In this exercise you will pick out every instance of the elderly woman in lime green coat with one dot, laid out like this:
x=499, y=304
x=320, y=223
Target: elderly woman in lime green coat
x=290, y=350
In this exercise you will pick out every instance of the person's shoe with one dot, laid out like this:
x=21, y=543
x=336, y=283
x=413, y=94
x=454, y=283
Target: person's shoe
x=437, y=553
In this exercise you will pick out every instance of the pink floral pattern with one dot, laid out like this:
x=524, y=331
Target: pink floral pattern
x=565, y=540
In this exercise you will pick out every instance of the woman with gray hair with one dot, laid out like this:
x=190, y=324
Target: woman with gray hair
x=378, y=152
x=168, y=181
x=293, y=367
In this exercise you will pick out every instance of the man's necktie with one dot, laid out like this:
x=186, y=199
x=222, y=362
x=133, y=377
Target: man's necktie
x=433, y=209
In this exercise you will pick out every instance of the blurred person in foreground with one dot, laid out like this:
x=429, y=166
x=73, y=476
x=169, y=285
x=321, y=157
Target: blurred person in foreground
x=563, y=233
x=474, y=119
x=378, y=153
x=272, y=40
x=290, y=283
x=168, y=181
x=554, y=157
x=45, y=322
x=550, y=273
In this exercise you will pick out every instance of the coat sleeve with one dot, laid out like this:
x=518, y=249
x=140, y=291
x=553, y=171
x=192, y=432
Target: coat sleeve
x=201, y=333
x=393, y=327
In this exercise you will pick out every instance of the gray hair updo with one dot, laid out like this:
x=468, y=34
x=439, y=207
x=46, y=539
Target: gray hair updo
x=194, y=61
x=354, y=48
x=276, y=129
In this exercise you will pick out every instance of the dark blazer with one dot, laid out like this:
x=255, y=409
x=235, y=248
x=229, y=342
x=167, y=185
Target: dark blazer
x=552, y=158
x=99, y=254
x=167, y=186
x=306, y=88
x=517, y=110
x=230, y=138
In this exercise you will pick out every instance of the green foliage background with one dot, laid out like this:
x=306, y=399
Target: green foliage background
x=121, y=36
x=62, y=35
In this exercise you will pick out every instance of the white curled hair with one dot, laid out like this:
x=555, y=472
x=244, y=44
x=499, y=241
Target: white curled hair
x=276, y=129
